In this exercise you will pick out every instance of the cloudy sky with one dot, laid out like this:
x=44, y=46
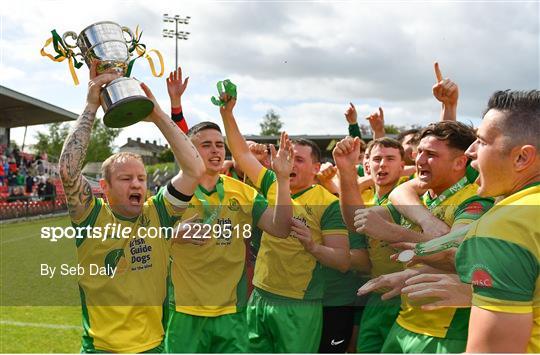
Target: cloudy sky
x=306, y=60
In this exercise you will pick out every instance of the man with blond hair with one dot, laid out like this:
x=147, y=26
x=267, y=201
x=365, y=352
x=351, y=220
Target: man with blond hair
x=124, y=310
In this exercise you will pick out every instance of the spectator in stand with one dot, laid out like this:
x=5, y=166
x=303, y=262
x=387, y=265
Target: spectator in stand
x=5, y=165
x=12, y=179
x=40, y=168
x=12, y=164
x=16, y=194
x=41, y=188
x=32, y=168
x=2, y=172
x=29, y=183
x=49, y=190
x=17, y=156
x=20, y=179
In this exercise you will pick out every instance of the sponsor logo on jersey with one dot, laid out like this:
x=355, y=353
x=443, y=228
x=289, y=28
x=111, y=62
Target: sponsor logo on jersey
x=481, y=278
x=474, y=208
x=140, y=254
x=224, y=238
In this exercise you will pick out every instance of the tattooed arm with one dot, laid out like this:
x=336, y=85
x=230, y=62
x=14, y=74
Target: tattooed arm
x=77, y=189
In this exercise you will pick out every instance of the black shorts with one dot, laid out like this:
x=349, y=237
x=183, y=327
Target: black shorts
x=337, y=329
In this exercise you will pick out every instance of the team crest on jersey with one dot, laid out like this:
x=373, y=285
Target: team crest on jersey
x=481, y=278
x=144, y=221
x=308, y=210
x=234, y=205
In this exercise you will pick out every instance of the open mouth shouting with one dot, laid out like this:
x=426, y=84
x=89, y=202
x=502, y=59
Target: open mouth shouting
x=135, y=198
x=424, y=174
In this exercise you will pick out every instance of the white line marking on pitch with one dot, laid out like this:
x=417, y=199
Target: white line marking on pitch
x=19, y=239
x=40, y=325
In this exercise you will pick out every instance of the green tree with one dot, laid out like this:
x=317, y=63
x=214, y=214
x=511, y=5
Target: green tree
x=392, y=129
x=51, y=142
x=271, y=125
x=101, y=142
x=14, y=145
x=166, y=156
x=99, y=148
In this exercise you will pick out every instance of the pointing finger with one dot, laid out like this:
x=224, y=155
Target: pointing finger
x=438, y=72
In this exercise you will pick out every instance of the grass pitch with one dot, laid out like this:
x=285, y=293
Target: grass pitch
x=38, y=314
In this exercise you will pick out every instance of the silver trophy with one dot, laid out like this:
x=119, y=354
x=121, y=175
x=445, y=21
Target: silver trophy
x=123, y=100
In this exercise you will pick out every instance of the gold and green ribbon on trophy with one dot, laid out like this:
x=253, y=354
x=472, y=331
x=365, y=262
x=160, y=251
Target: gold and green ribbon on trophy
x=123, y=100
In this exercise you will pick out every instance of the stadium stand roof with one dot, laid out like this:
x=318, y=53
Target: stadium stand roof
x=19, y=110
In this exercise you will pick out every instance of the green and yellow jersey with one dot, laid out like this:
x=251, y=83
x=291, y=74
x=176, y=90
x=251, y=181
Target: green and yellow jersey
x=283, y=267
x=500, y=257
x=124, y=312
x=255, y=241
x=368, y=195
x=379, y=250
x=461, y=206
x=210, y=280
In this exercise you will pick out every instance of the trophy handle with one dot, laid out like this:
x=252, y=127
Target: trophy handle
x=71, y=34
x=131, y=36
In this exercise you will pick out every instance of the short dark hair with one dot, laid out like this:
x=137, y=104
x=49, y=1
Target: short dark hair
x=315, y=150
x=521, y=122
x=202, y=126
x=456, y=134
x=402, y=135
x=388, y=142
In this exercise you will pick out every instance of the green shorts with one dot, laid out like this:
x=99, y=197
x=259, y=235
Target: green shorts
x=377, y=319
x=194, y=334
x=401, y=340
x=283, y=325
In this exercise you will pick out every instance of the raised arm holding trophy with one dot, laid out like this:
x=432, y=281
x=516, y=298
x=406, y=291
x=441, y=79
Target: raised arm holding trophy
x=123, y=101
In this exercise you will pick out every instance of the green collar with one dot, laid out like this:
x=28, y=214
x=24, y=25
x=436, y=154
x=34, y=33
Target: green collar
x=210, y=215
x=127, y=219
x=298, y=194
x=208, y=193
x=532, y=184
